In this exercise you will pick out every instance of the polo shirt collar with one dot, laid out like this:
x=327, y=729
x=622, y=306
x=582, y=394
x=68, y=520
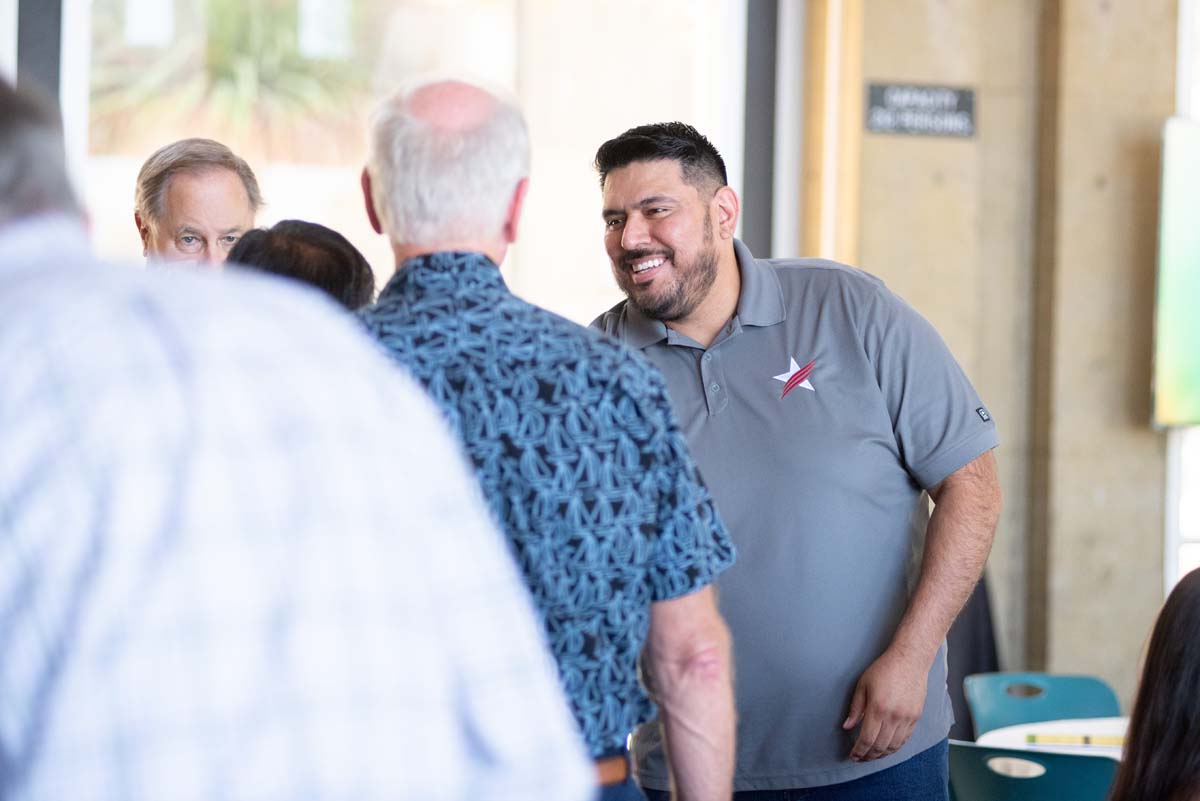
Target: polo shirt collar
x=760, y=302
x=641, y=331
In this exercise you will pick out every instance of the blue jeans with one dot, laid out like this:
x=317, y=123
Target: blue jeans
x=924, y=777
x=625, y=791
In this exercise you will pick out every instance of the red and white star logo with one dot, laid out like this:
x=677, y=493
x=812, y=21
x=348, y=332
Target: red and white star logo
x=796, y=376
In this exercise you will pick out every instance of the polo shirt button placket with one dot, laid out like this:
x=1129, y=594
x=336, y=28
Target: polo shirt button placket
x=713, y=397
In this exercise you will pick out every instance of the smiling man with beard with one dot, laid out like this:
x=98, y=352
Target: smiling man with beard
x=667, y=277
x=821, y=409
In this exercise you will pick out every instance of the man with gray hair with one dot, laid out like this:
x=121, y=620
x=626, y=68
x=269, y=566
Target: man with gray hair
x=572, y=437
x=194, y=200
x=203, y=593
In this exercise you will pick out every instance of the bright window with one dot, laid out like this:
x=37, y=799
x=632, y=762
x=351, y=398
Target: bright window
x=287, y=85
x=1183, y=463
x=8, y=40
x=1186, y=467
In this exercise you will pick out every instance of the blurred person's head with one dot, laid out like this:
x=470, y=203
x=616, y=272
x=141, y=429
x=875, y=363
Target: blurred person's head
x=194, y=200
x=669, y=217
x=447, y=169
x=1162, y=748
x=310, y=253
x=33, y=172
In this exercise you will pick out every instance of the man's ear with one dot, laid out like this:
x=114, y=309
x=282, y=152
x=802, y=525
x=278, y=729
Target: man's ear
x=143, y=232
x=726, y=203
x=369, y=202
x=515, y=206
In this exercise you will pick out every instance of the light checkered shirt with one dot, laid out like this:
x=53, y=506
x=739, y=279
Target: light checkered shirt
x=240, y=557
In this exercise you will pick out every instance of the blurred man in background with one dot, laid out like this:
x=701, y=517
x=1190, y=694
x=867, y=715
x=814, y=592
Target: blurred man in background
x=240, y=556
x=194, y=200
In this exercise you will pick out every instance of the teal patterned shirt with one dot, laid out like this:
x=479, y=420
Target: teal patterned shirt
x=581, y=460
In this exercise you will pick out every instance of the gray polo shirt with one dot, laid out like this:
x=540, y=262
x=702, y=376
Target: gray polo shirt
x=817, y=417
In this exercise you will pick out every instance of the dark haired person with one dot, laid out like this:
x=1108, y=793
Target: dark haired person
x=1161, y=761
x=193, y=201
x=310, y=253
x=821, y=409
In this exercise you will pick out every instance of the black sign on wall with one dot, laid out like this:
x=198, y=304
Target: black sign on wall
x=920, y=110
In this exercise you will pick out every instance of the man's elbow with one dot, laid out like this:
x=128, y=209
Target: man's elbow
x=990, y=497
x=996, y=502
x=974, y=491
x=703, y=664
x=710, y=661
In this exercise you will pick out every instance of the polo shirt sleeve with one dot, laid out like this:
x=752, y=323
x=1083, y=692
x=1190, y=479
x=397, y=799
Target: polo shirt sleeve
x=938, y=419
x=690, y=545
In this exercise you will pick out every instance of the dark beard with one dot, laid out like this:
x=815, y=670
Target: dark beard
x=694, y=283
x=692, y=288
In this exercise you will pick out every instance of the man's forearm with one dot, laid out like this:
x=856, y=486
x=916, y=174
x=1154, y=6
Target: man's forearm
x=957, y=542
x=696, y=707
x=693, y=687
x=890, y=694
x=688, y=670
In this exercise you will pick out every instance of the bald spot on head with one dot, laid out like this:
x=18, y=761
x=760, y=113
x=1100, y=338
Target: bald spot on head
x=452, y=105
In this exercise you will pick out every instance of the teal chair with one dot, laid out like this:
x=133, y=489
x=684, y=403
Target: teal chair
x=980, y=773
x=1006, y=699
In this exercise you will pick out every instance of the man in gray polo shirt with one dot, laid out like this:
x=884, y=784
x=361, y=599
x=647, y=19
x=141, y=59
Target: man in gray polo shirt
x=821, y=409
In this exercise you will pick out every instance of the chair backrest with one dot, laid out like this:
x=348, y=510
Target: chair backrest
x=1005, y=699
x=981, y=773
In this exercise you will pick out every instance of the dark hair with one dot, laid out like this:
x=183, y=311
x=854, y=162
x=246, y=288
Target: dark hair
x=702, y=165
x=310, y=253
x=33, y=169
x=1162, y=760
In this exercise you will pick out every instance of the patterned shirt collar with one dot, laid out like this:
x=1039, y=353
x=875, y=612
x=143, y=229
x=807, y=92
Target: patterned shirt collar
x=446, y=273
